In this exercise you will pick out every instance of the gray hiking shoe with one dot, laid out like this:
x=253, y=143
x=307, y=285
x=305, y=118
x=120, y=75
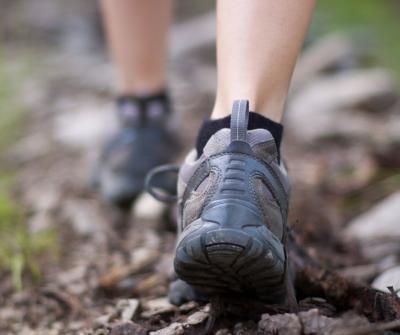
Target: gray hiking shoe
x=233, y=205
x=141, y=143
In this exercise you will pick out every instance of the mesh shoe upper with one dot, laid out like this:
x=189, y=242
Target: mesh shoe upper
x=262, y=194
x=233, y=204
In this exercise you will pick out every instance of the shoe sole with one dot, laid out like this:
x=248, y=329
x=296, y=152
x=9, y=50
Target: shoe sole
x=226, y=261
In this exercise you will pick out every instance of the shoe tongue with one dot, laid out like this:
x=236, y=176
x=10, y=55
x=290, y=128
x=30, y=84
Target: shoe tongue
x=261, y=142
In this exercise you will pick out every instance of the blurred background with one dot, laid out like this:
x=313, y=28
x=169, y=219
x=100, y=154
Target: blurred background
x=62, y=263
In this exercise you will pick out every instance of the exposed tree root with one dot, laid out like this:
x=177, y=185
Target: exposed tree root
x=312, y=279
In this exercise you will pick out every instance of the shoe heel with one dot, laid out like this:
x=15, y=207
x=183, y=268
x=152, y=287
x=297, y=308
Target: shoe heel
x=225, y=261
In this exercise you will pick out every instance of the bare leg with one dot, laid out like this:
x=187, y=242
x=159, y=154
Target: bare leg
x=258, y=43
x=137, y=32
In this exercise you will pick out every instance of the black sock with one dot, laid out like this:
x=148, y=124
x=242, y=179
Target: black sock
x=256, y=121
x=140, y=109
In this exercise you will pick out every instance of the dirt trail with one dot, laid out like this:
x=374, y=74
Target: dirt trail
x=112, y=272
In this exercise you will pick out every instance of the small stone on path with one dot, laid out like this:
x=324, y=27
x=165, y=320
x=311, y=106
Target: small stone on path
x=381, y=221
x=389, y=278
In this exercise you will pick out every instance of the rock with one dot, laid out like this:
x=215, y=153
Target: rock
x=147, y=208
x=102, y=321
x=82, y=215
x=334, y=50
x=279, y=324
x=193, y=320
x=310, y=322
x=315, y=323
x=128, y=308
x=157, y=306
x=42, y=197
x=85, y=125
x=387, y=279
x=369, y=271
x=350, y=323
x=128, y=328
x=375, y=251
x=381, y=221
x=148, y=284
x=189, y=306
x=196, y=318
x=322, y=108
x=173, y=329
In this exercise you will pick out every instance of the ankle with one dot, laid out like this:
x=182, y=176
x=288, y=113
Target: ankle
x=271, y=107
x=256, y=121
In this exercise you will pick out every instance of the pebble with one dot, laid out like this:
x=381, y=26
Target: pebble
x=388, y=278
x=157, y=306
x=329, y=107
x=196, y=318
x=381, y=221
x=128, y=328
x=128, y=308
x=282, y=324
x=173, y=329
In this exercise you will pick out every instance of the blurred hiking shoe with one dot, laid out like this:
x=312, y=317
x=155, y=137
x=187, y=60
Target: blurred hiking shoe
x=233, y=204
x=180, y=292
x=141, y=143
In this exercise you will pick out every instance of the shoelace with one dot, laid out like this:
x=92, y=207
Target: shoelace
x=154, y=183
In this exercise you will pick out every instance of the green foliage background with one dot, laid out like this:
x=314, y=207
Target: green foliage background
x=376, y=21
x=19, y=248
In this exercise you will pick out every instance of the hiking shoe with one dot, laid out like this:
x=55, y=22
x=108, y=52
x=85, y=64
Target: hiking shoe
x=141, y=143
x=233, y=205
x=180, y=292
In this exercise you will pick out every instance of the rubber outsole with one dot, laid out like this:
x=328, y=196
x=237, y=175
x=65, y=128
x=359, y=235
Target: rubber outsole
x=226, y=261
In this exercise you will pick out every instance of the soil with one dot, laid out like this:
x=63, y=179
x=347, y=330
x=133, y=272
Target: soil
x=110, y=270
